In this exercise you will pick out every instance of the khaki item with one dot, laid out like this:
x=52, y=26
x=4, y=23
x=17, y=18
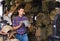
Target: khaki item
x=6, y=28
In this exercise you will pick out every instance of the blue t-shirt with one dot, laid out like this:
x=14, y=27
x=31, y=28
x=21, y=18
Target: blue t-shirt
x=16, y=22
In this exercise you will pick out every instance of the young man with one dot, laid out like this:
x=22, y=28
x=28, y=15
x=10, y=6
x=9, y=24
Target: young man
x=20, y=25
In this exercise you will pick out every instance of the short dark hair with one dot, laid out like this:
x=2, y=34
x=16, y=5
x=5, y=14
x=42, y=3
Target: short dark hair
x=21, y=6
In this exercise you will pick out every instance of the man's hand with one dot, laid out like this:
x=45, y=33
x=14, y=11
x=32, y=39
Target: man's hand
x=17, y=5
x=20, y=23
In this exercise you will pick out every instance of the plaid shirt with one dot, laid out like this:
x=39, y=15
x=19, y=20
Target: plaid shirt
x=16, y=22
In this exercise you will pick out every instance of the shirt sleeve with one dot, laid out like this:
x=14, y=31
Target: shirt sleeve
x=14, y=22
x=26, y=21
x=25, y=18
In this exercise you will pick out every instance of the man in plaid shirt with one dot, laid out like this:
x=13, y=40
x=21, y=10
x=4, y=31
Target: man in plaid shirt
x=20, y=26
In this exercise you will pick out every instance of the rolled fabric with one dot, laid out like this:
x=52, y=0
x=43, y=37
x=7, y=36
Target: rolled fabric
x=6, y=28
x=26, y=22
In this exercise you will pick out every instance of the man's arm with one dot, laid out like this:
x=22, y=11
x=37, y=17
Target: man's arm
x=17, y=27
x=12, y=11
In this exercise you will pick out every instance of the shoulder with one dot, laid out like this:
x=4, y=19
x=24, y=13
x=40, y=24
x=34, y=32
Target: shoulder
x=24, y=17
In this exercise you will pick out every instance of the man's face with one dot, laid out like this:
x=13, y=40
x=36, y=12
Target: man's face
x=21, y=11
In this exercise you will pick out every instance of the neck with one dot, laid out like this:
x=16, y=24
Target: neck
x=20, y=15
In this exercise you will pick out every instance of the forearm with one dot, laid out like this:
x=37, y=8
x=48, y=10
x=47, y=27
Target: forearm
x=15, y=8
x=17, y=27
